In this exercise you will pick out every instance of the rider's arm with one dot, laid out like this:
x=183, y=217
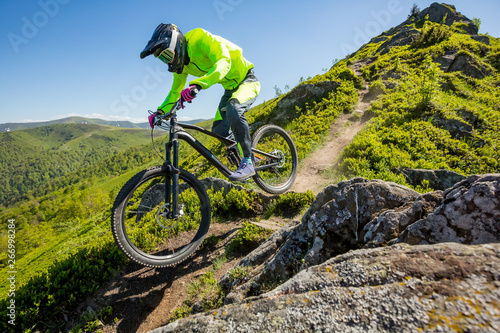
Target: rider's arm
x=215, y=49
x=175, y=92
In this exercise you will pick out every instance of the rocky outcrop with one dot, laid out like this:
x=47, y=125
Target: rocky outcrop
x=361, y=213
x=405, y=36
x=369, y=256
x=447, y=14
x=436, y=179
x=306, y=92
x=469, y=66
x=405, y=33
x=441, y=288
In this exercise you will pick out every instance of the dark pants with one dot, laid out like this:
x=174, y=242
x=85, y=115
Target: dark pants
x=230, y=117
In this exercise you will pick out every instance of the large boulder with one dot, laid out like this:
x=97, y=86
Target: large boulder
x=466, y=64
x=441, y=288
x=468, y=214
x=360, y=213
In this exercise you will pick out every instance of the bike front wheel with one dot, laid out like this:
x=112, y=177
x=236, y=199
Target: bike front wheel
x=275, y=159
x=142, y=222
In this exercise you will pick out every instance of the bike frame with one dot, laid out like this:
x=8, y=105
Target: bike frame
x=171, y=164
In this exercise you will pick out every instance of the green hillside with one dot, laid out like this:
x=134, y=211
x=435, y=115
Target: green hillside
x=436, y=89
x=33, y=157
x=440, y=100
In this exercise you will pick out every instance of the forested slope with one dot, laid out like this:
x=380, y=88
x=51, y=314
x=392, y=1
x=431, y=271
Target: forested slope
x=33, y=157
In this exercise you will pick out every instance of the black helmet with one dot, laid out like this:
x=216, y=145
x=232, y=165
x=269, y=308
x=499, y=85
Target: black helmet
x=169, y=45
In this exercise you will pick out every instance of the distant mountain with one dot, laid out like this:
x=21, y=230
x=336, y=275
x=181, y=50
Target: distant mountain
x=6, y=127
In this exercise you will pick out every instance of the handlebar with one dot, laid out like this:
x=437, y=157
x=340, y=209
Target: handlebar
x=159, y=118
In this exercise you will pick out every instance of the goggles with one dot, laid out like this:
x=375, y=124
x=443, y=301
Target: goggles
x=167, y=56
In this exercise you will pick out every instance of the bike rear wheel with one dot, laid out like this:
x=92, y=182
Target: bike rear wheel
x=142, y=226
x=275, y=159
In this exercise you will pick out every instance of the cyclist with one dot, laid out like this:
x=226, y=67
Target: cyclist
x=212, y=59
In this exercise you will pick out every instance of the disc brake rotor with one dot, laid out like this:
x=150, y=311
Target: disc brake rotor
x=164, y=219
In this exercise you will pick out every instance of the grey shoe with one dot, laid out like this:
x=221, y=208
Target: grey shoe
x=244, y=172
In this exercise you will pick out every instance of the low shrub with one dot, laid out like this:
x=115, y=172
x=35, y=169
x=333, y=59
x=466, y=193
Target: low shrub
x=291, y=203
x=238, y=273
x=247, y=239
x=234, y=203
x=432, y=33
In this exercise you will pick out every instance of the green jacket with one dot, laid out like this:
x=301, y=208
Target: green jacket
x=213, y=59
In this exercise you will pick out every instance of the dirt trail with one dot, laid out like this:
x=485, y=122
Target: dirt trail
x=312, y=174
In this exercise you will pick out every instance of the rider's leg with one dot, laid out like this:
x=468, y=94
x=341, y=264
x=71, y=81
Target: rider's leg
x=235, y=113
x=220, y=125
x=238, y=104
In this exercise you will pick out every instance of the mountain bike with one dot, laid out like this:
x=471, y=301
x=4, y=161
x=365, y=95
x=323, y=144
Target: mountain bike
x=162, y=214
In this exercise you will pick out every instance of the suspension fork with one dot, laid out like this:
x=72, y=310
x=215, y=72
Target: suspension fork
x=172, y=174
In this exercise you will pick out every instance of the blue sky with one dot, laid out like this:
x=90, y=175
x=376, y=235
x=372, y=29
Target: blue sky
x=74, y=57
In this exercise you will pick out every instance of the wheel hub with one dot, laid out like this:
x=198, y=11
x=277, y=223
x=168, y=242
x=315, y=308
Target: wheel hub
x=281, y=157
